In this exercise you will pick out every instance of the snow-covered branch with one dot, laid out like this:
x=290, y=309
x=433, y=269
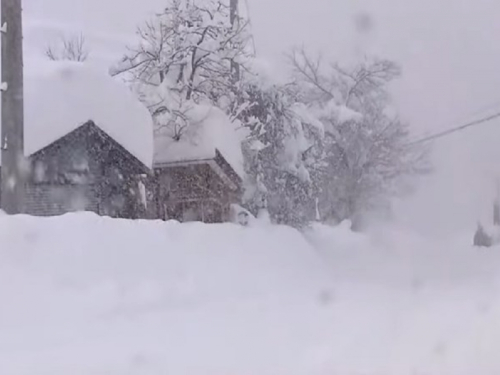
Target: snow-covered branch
x=190, y=47
x=308, y=69
x=366, y=158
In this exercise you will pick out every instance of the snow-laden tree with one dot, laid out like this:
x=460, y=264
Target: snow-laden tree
x=367, y=157
x=324, y=147
x=279, y=153
x=191, y=48
x=186, y=57
x=184, y=68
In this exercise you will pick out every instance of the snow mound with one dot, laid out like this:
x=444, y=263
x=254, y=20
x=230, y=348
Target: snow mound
x=88, y=295
x=83, y=294
x=208, y=129
x=60, y=96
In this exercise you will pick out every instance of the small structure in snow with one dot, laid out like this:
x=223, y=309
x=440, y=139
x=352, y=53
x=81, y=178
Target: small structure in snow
x=481, y=238
x=195, y=190
x=491, y=236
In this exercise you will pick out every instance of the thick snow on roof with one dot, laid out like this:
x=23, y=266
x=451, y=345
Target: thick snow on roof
x=209, y=129
x=60, y=96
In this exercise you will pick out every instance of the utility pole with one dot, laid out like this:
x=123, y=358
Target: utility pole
x=12, y=134
x=234, y=19
x=233, y=6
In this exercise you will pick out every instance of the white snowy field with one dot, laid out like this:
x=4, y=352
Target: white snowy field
x=81, y=294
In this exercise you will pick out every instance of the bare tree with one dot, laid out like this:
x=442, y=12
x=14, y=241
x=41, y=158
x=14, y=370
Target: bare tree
x=70, y=48
x=308, y=71
x=367, y=78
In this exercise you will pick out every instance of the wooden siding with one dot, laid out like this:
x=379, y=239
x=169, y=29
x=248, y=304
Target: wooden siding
x=193, y=192
x=84, y=171
x=53, y=200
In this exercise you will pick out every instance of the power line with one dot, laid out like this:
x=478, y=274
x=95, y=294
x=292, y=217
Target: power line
x=488, y=107
x=457, y=129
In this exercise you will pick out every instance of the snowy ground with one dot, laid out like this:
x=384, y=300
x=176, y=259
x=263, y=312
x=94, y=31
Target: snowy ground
x=87, y=295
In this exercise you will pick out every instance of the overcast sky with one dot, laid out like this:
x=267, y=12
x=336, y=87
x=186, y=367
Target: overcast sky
x=448, y=49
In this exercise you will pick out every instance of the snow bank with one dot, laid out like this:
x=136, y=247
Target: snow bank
x=410, y=305
x=208, y=129
x=398, y=257
x=87, y=295
x=60, y=96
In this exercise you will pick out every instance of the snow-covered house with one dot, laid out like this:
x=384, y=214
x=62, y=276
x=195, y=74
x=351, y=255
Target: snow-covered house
x=89, y=147
x=198, y=168
x=87, y=140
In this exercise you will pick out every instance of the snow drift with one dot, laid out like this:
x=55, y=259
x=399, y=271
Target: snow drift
x=87, y=295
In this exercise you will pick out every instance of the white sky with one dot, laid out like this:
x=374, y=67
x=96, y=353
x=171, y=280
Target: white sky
x=448, y=50
x=446, y=47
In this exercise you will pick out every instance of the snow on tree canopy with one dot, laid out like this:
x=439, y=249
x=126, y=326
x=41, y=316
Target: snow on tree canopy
x=60, y=96
x=207, y=129
x=339, y=112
